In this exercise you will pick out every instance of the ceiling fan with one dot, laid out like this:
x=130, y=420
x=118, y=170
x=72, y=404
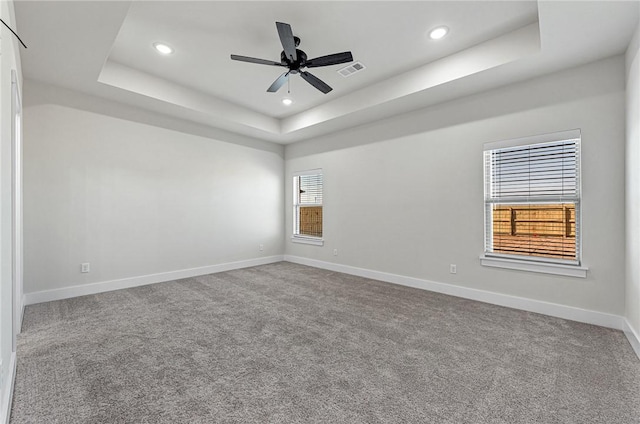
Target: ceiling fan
x=296, y=60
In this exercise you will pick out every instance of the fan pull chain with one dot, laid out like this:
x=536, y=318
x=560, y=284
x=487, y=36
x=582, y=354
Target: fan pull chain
x=288, y=85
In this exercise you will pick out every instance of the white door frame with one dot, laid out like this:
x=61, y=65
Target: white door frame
x=16, y=197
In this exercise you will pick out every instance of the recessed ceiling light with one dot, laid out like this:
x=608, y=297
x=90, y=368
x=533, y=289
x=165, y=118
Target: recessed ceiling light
x=162, y=48
x=287, y=102
x=438, y=33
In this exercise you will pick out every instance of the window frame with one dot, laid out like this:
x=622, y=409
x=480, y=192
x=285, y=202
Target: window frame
x=296, y=236
x=573, y=267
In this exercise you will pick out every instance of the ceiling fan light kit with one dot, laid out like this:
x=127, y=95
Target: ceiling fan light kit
x=296, y=60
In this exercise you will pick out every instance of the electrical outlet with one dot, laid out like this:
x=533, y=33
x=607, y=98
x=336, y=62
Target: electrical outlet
x=261, y=247
x=453, y=269
x=335, y=252
x=84, y=267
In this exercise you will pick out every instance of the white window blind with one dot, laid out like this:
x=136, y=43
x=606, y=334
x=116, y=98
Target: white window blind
x=532, y=200
x=307, y=204
x=310, y=189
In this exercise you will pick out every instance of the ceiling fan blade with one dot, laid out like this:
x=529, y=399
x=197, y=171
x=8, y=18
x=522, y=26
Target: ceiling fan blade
x=315, y=81
x=279, y=82
x=255, y=60
x=287, y=40
x=332, y=59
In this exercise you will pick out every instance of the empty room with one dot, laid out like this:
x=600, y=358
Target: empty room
x=319, y=212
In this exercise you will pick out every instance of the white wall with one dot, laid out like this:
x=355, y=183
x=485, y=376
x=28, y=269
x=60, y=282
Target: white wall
x=133, y=199
x=633, y=187
x=9, y=60
x=411, y=203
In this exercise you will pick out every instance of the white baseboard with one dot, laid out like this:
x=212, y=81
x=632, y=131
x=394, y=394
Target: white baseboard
x=633, y=337
x=7, y=391
x=125, y=283
x=22, y=313
x=538, y=306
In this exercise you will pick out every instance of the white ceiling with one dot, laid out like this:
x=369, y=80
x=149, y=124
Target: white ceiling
x=389, y=38
x=105, y=49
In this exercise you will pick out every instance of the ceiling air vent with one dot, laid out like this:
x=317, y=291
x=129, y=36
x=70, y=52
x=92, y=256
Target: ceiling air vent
x=351, y=69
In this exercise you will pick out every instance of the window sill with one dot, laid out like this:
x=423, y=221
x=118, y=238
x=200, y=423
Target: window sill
x=308, y=240
x=546, y=268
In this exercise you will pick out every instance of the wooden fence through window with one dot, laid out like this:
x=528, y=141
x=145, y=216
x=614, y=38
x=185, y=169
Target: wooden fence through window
x=311, y=221
x=535, y=230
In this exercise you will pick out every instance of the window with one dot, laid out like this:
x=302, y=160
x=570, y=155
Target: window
x=532, y=199
x=307, y=206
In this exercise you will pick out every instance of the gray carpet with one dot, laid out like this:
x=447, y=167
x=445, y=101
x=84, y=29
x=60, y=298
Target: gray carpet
x=284, y=343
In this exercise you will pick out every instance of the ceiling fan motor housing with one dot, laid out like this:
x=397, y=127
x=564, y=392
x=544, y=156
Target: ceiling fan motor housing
x=297, y=64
